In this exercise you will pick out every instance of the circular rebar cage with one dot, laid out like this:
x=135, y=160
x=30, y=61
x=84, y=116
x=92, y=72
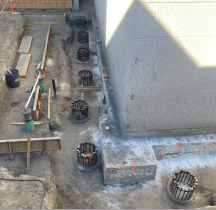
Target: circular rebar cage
x=85, y=77
x=87, y=155
x=183, y=185
x=83, y=54
x=80, y=110
x=83, y=37
x=81, y=23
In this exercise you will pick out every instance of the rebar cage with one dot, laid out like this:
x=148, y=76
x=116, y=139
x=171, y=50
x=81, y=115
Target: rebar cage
x=83, y=37
x=85, y=77
x=83, y=54
x=81, y=23
x=188, y=179
x=80, y=110
x=87, y=155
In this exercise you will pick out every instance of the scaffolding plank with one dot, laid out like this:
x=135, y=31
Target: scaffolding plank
x=25, y=45
x=23, y=64
x=37, y=145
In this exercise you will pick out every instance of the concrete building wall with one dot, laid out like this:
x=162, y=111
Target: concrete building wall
x=161, y=56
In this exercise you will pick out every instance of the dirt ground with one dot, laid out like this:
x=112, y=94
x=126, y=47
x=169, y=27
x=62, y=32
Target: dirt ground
x=76, y=189
x=34, y=193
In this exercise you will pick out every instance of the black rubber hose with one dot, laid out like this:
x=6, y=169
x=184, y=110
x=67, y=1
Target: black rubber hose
x=31, y=180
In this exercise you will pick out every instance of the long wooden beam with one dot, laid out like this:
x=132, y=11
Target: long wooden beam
x=45, y=54
x=88, y=89
x=37, y=145
x=23, y=123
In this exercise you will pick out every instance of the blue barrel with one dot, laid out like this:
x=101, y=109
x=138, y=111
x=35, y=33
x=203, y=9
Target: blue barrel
x=13, y=81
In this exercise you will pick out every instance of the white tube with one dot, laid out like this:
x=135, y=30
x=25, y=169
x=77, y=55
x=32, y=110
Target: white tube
x=34, y=86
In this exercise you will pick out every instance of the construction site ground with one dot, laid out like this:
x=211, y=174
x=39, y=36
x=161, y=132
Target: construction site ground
x=77, y=189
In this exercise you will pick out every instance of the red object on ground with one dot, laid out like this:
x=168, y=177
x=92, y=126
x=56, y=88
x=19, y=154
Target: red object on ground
x=36, y=79
x=12, y=5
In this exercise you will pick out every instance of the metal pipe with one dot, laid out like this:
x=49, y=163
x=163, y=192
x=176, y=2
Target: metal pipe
x=34, y=86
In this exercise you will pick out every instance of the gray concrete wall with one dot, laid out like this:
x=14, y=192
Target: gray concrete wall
x=162, y=64
x=118, y=61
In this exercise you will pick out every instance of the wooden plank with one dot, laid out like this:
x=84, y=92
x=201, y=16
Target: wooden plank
x=28, y=152
x=23, y=123
x=88, y=89
x=4, y=148
x=20, y=145
x=47, y=22
x=36, y=98
x=25, y=45
x=23, y=64
x=48, y=114
x=45, y=54
x=15, y=13
x=37, y=103
x=32, y=139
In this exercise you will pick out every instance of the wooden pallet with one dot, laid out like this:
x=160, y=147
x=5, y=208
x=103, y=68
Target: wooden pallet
x=25, y=45
x=46, y=50
x=37, y=103
x=23, y=64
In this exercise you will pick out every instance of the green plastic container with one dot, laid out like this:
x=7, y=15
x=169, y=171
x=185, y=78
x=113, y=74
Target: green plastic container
x=43, y=87
x=29, y=125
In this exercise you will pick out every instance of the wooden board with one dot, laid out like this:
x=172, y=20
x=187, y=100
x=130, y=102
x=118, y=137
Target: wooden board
x=47, y=22
x=23, y=64
x=46, y=50
x=48, y=114
x=28, y=152
x=37, y=103
x=25, y=45
x=37, y=145
x=88, y=89
x=23, y=123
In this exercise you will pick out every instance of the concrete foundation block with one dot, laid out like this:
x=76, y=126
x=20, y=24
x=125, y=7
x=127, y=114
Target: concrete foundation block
x=195, y=148
x=126, y=161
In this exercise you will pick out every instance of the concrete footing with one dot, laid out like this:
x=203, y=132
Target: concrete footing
x=126, y=161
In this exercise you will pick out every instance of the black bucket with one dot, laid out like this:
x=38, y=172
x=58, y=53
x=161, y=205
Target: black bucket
x=13, y=81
